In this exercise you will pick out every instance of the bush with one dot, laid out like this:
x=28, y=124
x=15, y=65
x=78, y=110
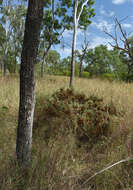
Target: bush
x=108, y=76
x=85, y=74
x=87, y=118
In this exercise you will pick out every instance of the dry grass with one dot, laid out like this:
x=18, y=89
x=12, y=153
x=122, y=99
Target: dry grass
x=60, y=165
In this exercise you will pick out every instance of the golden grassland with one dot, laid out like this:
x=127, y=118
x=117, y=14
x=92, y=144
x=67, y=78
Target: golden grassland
x=60, y=165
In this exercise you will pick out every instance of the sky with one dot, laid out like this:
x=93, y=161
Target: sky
x=105, y=11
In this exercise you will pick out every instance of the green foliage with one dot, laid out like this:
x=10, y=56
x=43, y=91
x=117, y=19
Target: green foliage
x=98, y=60
x=88, y=118
x=67, y=6
x=108, y=76
x=11, y=34
x=106, y=63
x=85, y=74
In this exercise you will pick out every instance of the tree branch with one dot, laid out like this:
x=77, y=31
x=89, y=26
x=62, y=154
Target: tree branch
x=78, y=17
x=107, y=168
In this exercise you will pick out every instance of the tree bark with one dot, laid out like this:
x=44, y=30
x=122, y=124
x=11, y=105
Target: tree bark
x=73, y=46
x=27, y=81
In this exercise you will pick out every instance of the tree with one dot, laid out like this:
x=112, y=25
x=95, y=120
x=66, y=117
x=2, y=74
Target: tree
x=12, y=20
x=82, y=12
x=127, y=47
x=102, y=61
x=54, y=24
x=27, y=82
x=82, y=55
x=5, y=21
x=53, y=61
x=17, y=17
x=2, y=40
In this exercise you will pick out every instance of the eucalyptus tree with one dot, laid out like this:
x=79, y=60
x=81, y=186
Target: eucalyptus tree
x=125, y=47
x=5, y=23
x=55, y=22
x=81, y=12
x=82, y=54
x=53, y=61
x=17, y=19
x=12, y=20
x=2, y=41
x=33, y=23
x=98, y=60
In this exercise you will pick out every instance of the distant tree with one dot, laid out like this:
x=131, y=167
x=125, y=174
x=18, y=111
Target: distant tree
x=54, y=24
x=82, y=11
x=5, y=22
x=12, y=20
x=81, y=55
x=127, y=47
x=100, y=61
x=17, y=19
x=53, y=61
x=27, y=82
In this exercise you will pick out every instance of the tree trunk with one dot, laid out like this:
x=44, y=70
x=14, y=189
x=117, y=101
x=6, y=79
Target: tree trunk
x=15, y=66
x=5, y=65
x=15, y=60
x=44, y=59
x=27, y=82
x=80, y=69
x=73, y=47
x=42, y=67
x=0, y=66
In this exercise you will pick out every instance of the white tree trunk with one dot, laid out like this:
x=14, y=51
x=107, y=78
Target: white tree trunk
x=74, y=45
x=76, y=21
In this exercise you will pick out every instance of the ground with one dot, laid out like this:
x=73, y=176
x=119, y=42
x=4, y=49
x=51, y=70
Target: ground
x=59, y=164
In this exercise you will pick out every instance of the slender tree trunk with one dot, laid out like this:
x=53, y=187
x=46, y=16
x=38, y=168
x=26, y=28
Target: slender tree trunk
x=15, y=59
x=80, y=69
x=15, y=63
x=6, y=48
x=5, y=65
x=0, y=66
x=73, y=47
x=27, y=82
x=42, y=67
x=44, y=59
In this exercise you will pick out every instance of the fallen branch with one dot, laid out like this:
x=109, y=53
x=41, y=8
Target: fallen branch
x=107, y=168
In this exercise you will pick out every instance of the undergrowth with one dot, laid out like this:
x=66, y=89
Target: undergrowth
x=75, y=135
x=87, y=118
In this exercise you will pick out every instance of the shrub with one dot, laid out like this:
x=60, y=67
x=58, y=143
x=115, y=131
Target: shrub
x=87, y=118
x=108, y=76
x=85, y=74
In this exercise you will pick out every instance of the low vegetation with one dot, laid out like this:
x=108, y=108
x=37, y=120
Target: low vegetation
x=76, y=134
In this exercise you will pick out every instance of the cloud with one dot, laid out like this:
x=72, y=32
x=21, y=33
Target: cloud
x=118, y=2
x=69, y=33
x=96, y=41
x=102, y=24
x=127, y=25
x=101, y=40
x=105, y=13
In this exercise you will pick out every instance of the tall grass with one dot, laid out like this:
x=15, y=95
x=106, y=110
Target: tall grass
x=59, y=164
